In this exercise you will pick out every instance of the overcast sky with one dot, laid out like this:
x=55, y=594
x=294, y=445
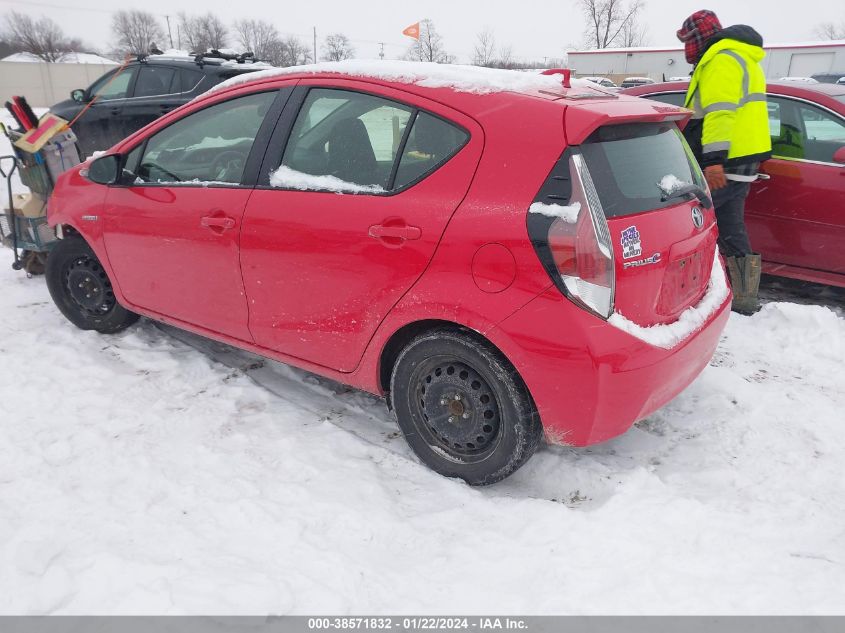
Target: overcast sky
x=534, y=28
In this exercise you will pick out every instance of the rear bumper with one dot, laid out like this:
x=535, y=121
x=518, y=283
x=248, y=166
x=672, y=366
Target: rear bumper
x=592, y=381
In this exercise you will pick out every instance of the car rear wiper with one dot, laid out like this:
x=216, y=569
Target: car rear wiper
x=687, y=190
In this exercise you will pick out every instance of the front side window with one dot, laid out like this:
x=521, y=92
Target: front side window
x=154, y=80
x=788, y=140
x=209, y=146
x=113, y=86
x=825, y=133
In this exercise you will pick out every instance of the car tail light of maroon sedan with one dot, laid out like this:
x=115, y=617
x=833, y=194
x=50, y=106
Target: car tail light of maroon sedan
x=795, y=217
x=503, y=256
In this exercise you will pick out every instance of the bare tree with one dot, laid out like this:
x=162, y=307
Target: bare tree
x=202, y=32
x=505, y=57
x=292, y=52
x=607, y=19
x=337, y=47
x=485, y=48
x=429, y=47
x=830, y=31
x=42, y=38
x=135, y=31
x=259, y=37
x=634, y=34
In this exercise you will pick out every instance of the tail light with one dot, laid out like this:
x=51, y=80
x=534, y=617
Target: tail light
x=569, y=231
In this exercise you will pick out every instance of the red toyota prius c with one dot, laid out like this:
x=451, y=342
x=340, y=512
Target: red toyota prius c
x=504, y=256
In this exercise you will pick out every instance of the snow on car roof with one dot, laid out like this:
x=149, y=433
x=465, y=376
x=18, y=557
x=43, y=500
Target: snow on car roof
x=472, y=79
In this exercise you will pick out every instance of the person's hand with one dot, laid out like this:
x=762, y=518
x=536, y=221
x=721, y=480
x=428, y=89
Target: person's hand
x=715, y=176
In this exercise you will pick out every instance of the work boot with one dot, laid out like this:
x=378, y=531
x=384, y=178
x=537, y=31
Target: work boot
x=745, y=282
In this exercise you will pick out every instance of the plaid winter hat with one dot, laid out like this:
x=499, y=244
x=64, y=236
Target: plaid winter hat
x=696, y=31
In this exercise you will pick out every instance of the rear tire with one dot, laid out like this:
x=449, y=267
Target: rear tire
x=82, y=290
x=463, y=408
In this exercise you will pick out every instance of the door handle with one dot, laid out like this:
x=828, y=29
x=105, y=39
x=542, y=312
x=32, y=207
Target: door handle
x=402, y=232
x=222, y=223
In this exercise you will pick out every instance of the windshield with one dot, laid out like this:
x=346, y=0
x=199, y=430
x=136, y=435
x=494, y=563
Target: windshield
x=628, y=161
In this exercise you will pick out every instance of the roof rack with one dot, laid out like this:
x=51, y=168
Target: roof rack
x=242, y=58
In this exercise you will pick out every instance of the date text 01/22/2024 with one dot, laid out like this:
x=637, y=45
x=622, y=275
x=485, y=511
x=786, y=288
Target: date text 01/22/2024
x=417, y=623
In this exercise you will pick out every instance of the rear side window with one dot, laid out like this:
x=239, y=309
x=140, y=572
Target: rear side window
x=188, y=80
x=628, y=161
x=363, y=144
x=431, y=143
x=154, y=81
x=672, y=98
x=348, y=135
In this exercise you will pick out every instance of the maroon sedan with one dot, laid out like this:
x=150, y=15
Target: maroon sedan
x=796, y=219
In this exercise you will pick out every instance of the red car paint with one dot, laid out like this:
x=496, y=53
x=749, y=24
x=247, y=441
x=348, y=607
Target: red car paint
x=796, y=219
x=320, y=280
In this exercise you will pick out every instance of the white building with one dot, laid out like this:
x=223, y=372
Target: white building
x=782, y=60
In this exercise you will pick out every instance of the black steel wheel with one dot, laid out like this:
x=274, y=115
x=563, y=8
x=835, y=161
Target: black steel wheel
x=82, y=290
x=463, y=408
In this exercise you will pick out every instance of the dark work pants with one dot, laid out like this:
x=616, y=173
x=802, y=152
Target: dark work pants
x=730, y=217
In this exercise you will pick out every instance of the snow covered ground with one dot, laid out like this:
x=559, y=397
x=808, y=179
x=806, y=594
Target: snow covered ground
x=156, y=472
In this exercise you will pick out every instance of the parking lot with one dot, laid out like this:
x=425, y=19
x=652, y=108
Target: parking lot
x=155, y=472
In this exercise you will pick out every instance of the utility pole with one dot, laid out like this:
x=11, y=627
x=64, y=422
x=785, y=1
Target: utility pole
x=169, y=34
x=315, y=44
x=381, y=50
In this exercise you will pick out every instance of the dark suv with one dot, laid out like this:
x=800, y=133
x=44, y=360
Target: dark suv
x=125, y=100
x=830, y=77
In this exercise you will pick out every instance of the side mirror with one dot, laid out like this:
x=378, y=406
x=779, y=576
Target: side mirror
x=839, y=156
x=104, y=170
x=78, y=95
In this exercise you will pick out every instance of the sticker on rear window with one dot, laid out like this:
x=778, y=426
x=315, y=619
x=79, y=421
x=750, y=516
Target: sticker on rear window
x=631, y=244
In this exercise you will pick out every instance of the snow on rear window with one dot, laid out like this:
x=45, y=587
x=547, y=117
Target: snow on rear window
x=287, y=178
x=473, y=79
x=670, y=335
x=670, y=183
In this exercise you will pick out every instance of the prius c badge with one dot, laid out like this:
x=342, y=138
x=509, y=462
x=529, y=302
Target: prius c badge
x=631, y=245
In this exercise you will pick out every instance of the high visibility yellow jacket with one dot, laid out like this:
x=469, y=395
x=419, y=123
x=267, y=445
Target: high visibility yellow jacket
x=728, y=91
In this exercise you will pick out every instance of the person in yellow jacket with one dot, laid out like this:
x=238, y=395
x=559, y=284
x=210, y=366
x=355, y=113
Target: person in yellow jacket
x=729, y=134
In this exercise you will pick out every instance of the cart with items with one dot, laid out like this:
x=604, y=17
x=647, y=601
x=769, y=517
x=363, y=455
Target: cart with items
x=42, y=149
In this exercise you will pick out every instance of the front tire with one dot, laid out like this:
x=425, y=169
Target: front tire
x=82, y=290
x=463, y=408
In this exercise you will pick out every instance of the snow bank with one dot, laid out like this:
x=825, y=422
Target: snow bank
x=288, y=178
x=154, y=472
x=567, y=213
x=65, y=58
x=473, y=79
x=669, y=335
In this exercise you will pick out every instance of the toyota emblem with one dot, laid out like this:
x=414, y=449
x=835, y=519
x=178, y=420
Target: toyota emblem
x=697, y=217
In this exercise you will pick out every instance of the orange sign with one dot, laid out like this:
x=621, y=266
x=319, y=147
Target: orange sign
x=413, y=31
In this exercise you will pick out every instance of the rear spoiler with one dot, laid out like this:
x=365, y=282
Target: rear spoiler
x=582, y=119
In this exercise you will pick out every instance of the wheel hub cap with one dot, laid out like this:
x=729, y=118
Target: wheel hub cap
x=458, y=408
x=89, y=286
